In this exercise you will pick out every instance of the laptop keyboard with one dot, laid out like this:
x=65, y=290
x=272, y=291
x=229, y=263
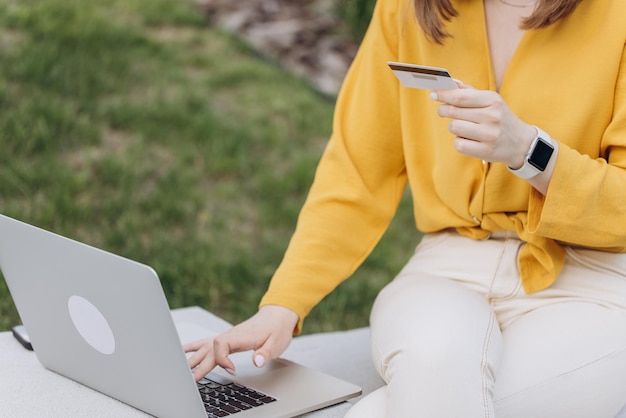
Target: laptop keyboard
x=222, y=397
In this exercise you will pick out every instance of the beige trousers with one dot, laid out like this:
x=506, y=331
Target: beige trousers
x=454, y=335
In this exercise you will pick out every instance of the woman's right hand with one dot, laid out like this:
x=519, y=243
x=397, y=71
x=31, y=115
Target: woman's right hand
x=268, y=333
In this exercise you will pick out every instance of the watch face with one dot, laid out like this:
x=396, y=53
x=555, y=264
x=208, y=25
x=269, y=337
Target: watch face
x=541, y=154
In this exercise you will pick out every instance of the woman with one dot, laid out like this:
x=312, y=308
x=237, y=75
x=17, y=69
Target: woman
x=514, y=304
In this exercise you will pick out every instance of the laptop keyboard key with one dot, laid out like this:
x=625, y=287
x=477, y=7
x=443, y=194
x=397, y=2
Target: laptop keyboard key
x=267, y=399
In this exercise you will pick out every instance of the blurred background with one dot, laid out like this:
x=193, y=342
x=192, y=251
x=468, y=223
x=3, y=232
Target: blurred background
x=160, y=131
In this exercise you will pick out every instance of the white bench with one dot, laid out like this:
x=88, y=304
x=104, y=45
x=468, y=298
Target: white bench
x=27, y=389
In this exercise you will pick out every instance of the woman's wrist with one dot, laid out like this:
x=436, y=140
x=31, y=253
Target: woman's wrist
x=521, y=152
x=285, y=316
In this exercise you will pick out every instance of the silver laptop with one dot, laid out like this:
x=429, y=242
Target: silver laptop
x=103, y=320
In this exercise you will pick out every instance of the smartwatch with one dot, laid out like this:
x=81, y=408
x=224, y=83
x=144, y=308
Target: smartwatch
x=537, y=157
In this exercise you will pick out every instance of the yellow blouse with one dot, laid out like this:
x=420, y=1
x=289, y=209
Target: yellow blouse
x=569, y=79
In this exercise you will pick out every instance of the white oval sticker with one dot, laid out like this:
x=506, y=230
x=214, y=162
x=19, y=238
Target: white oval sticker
x=91, y=324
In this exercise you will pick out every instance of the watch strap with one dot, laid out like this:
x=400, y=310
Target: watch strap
x=527, y=170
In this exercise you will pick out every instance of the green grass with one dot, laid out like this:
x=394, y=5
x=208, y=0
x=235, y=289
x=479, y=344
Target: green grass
x=133, y=126
x=356, y=14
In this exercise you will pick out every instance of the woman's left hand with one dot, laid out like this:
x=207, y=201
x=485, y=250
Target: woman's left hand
x=484, y=126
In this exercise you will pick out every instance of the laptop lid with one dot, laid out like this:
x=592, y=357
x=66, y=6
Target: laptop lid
x=103, y=320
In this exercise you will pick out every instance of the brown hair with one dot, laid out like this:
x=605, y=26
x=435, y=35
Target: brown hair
x=432, y=15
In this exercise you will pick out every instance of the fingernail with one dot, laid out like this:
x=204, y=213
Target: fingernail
x=230, y=371
x=259, y=360
x=433, y=95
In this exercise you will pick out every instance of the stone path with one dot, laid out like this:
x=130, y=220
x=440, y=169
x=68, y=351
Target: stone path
x=303, y=36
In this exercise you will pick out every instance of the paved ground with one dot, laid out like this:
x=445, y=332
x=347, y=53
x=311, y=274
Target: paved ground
x=304, y=36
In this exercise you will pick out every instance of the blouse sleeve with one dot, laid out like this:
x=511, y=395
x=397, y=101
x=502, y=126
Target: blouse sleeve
x=359, y=181
x=586, y=200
